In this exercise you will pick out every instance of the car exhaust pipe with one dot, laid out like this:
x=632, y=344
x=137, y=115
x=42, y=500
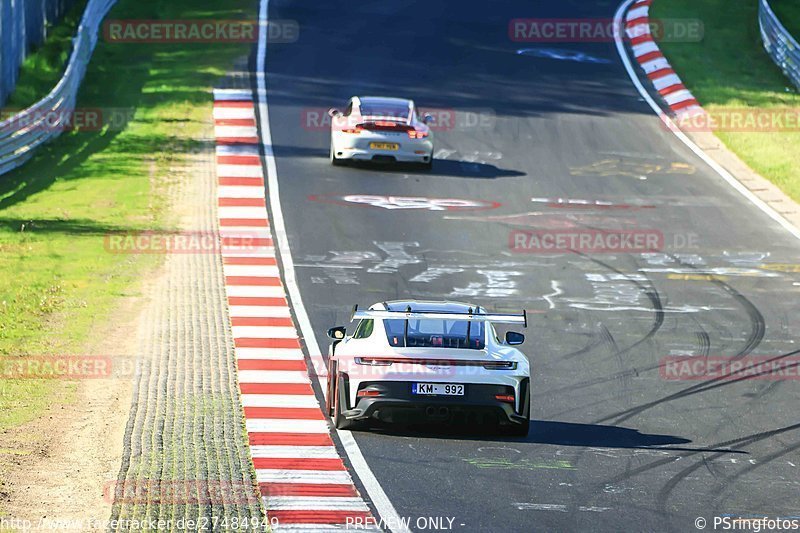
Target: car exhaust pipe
x=444, y=412
x=430, y=411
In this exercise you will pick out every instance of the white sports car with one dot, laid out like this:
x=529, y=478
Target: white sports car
x=381, y=129
x=411, y=361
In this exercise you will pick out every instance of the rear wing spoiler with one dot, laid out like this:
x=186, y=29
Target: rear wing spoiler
x=359, y=314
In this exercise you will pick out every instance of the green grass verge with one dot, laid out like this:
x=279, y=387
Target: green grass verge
x=729, y=70
x=57, y=281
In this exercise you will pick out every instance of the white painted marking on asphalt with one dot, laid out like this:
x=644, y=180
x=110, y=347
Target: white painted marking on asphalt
x=279, y=400
x=225, y=170
x=281, y=425
x=259, y=311
x=235, y=131
x=644, y=48
x=666, y=81
x=638, y=12
x=556, y=292
x=233, y=94
x=294, y=452
x=237, y=211
x=724, y=174
x=257, y=271
x=284, y=354
x=386, y=511
x=264, y=332
x=254, y=291
x=236, y=113
x=678, y=96
x=328, y=477
x=273, y=376
x=654, y=65
x=541, y=507
x=239, y=191
x=316, y=503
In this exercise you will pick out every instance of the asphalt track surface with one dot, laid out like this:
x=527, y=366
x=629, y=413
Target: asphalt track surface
x=613, y=445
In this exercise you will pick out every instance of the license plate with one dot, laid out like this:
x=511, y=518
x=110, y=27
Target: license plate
x=384, y=146
x=438, y=389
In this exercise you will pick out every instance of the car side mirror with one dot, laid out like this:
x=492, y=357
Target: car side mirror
x=337, y=333
x=428, y=119
x=513, y=338
x=333, y=112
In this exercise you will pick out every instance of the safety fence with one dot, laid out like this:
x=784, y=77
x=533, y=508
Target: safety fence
x=23, y=132
x=779, y=43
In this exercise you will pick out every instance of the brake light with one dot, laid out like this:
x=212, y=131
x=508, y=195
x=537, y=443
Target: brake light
x=368, y=393
x=417, y=134
x=372, y=362
x=357, y=129
x=504, y=397
x=501, y=365
x=385, y=124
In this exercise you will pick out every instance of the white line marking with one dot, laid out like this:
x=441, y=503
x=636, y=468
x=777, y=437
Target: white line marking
x=666, y=81
x=273, y=376
x=315, y=503
x=541, y=507
x=638, y=12
x=556, y=292
x=223, y=113
x=724, y=174
x=258, y=271
x=259, y=311
x=279, y=400
x=284, y=354
x=255, y=291
x=334, y=477
x=242, y=212
x=240, y=191
x=294, y=452
x=235, y=131
x=264, y=332
x=386, y=510
x=281, y=425
x=239, y=171
x=233, y=94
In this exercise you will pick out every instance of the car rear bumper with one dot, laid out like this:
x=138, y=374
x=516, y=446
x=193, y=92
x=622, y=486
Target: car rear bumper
x=408, y=150
x=398, y=404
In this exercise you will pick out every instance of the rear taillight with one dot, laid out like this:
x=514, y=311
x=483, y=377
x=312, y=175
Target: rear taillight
x=504, y=398
x=500, y=365
x=368, y=393
x=357, y=129
x=417, y=134
x=372, y=362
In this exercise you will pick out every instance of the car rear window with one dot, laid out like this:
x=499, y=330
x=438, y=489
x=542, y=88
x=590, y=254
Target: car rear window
x=384, y=110
x=435, y=334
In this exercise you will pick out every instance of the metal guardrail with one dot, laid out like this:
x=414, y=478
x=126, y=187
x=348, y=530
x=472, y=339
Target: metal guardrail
x=22, y=133
x=779, y=43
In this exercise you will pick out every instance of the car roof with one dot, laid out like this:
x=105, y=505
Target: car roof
x=431, y=306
